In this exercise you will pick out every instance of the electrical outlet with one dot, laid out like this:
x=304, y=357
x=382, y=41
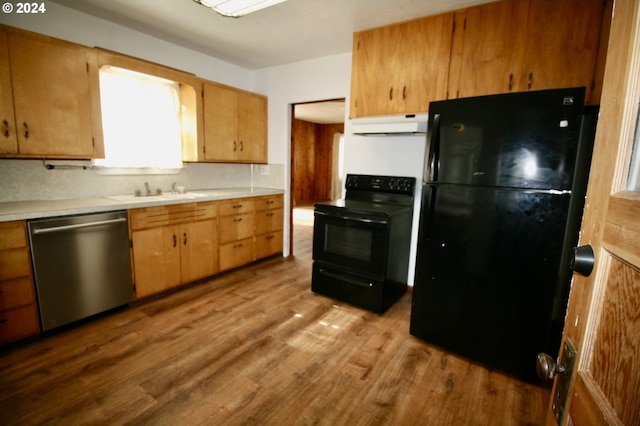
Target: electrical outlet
x=264, y=170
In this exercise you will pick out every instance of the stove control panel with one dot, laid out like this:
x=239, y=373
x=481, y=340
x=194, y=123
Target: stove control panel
x=395, y=184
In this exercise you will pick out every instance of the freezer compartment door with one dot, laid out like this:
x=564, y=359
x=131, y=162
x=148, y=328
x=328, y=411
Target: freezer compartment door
x=487, y=273
x=522, y=140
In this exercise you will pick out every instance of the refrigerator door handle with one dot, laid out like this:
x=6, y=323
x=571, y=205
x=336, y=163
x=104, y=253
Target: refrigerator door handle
x=431, y=168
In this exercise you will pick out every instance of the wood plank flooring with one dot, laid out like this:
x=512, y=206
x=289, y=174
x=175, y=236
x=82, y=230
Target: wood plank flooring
x=254, y=347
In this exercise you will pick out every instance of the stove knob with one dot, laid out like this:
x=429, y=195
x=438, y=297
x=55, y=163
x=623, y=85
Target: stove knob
x=392, y=183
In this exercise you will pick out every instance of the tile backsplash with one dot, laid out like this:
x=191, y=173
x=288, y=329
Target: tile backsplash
x=24, y=180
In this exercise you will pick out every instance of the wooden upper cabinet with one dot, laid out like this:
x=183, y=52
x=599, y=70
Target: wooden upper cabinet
x=562, y=44
x=235, y=125
x=50, y=89
x=487, y=50
x=517, y=45
x=399, y=69
x=8, y=137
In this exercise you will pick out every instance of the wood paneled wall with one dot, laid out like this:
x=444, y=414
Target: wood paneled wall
x=312, y=153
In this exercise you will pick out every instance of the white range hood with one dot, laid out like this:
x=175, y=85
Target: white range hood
x=390, y=125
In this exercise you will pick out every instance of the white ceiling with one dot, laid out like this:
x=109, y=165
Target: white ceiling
x=288, y=32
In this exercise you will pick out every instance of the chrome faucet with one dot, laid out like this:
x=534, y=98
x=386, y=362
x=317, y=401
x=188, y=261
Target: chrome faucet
x=174, y=188
x=146, y=185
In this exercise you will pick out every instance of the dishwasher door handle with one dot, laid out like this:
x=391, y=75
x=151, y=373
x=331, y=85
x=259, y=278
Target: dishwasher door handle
x=77, y=226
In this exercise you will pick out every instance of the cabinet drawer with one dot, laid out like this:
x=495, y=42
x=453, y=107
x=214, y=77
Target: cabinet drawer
x=18, y=323
x=14, y=264
x=236, y=227
x=237, y=206
x=269, y=221
x=150, y=217
x=236, y=254
x=274, y=202
x=268, y=244
x=15, y=293
x=13, y=235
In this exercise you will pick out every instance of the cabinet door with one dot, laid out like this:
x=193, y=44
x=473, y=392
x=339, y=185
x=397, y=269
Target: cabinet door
x=562, y=44
x=8, y=138
x=399, y=69
x=236, y=254
x=268, y=244
x=252, y=128
x=199, y=250
x=269, y=221
x=18, y=323
x=488, y=49
x=421, y=63
x=220, y=123
x=156, y=259
x=51, y=98
x=372, y=72
x=238, y=227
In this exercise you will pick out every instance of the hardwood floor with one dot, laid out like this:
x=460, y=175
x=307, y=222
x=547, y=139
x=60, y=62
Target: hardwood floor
x=254, y=346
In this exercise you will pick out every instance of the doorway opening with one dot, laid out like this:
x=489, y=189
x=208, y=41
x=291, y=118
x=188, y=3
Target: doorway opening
x=317, y=141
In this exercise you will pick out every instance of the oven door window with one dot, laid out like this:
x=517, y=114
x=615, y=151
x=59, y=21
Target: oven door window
x=358, y=244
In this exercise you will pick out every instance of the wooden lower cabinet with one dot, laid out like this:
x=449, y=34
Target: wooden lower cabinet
x=236, y=253
x=269, y=224
x=173, y=245
x=18, y=309
x=237, y=222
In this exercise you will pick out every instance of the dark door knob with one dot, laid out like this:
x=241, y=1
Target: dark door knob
x=547, y=368
x=582, y=260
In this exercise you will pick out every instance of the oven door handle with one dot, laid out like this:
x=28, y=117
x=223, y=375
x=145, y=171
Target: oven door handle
x=355, y=219
x=345, y=279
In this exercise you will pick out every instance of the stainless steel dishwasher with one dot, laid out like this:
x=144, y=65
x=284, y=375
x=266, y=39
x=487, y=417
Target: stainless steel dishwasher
x=82, y=266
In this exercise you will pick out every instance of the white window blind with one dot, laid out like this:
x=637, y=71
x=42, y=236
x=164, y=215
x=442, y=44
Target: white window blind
x=140, y=120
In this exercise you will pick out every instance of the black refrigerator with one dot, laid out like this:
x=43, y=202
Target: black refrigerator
x=504, y=187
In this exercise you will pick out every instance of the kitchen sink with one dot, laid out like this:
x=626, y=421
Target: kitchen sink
x=156, y=197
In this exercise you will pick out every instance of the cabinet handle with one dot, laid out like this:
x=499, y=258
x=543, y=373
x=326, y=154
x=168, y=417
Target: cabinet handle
x=391, y=94
x=270, y=237
x=238, y=219
x=6, y=128
x=237, y=245
x=241, y=146
x=184, y=239
x=26, y=130
x=269, y=214
x=270, y=202
x=237, y=206
x=235, y=146
x=511, y=82
x=404, y=93
x=530, y=83
x=175, y=240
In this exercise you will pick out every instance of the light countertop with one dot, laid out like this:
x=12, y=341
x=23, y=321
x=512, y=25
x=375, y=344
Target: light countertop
x=37, y=209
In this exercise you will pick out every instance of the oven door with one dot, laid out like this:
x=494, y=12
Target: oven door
x=353, y=241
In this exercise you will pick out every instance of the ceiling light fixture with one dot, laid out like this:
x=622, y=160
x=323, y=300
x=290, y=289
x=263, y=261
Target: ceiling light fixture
x=237, y=8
